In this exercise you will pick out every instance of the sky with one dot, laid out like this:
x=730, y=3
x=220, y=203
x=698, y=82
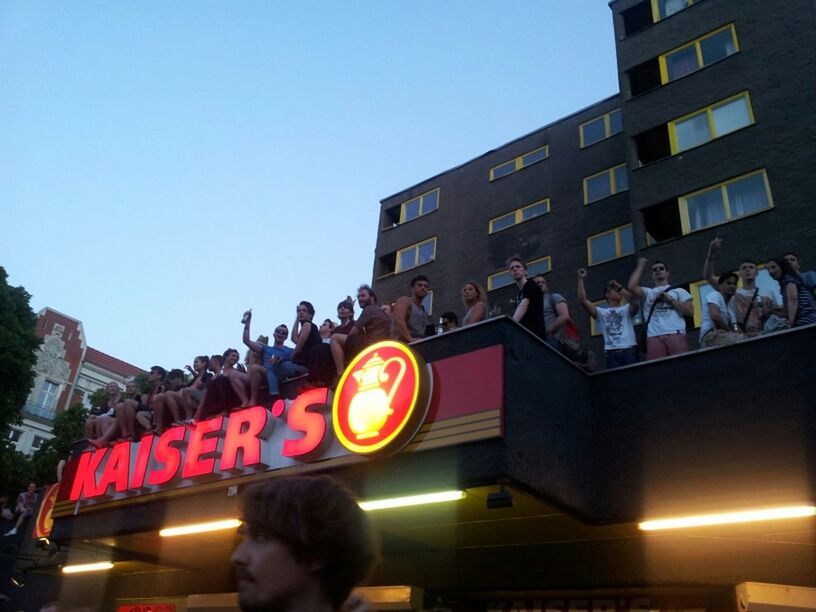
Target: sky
x=166, y=165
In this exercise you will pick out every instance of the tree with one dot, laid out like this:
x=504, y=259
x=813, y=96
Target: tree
x=17, y=345
x=15, y=470
x=69, y=426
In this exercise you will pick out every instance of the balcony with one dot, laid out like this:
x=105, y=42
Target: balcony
x=39, y=411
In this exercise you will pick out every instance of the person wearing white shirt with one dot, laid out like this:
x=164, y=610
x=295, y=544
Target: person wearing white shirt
x=717, y=327
x=615, y=321
x=664, y=308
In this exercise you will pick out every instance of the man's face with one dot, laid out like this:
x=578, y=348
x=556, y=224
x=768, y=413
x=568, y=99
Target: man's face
x=32, y=487
x=793, y=261
x=154, y=377
x=517, y=270
x=232, y=358
x=420, y=289
x=268, y=576
x=660, y=274
x=730, y=286
x=747, y=270
x=344, y=313
x=303, y=314
x=130, y=388
x=363, y=298
x=542, y=284
x=280, y=334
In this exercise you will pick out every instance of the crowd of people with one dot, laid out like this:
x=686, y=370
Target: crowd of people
x=735, y=309
x=320, y=354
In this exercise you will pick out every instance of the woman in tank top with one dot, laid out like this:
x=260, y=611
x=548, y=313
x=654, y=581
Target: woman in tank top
x=473, y=298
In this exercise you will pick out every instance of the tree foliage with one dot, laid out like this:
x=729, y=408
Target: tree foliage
x=69, y=426
x=17, y=345
x=15, y=470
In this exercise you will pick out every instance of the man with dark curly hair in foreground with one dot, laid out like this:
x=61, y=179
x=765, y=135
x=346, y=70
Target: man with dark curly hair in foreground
x=306, y=545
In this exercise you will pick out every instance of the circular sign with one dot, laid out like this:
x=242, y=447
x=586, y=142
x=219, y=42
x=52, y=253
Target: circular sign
x=44, y=522
x=381, y=399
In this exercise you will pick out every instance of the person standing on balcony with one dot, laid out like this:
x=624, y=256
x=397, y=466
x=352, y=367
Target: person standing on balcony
x=409, y=319
x=664, y=310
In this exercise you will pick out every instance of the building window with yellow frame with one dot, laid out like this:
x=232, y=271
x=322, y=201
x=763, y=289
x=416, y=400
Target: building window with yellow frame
x=520, y=162
x=604, y=184
x=666, y=8
x=712, y=122
x=725, y=202
x=609, y=245
x=698, y=54
x=420, y=205
x=520, y=215
x=600, y=128
x=500, y=279
x=416, y=255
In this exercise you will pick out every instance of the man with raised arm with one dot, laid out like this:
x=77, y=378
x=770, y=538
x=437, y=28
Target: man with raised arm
x=750, y=306
x=276, y=361
x=616, y=321
x=664, y=309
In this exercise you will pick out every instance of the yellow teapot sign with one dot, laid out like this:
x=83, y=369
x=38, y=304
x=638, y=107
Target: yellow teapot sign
x=381, y=399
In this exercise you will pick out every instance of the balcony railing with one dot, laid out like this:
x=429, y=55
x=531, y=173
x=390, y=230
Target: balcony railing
x=39, y=411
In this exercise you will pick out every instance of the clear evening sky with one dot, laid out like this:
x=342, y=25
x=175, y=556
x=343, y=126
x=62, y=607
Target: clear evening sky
x=166, y=165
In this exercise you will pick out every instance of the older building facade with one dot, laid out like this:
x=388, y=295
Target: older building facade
x=67, y=371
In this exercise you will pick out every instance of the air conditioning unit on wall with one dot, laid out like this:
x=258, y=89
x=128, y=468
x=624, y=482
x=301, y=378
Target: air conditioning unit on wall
x=764, y=597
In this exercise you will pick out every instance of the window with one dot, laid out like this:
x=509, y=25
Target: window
x=502, y=279
x=606, y=183
x=522, y=161
x=709, y=123
x=698, y=54
x=14, y=435
x=601, y=128
x=666, y=8
x=37, y=442
x=725, y=202
x=427, y=302
x=47, y=397
x=609, y=245
x=520, y=215
x=416, y=255
x=713, y=205
x=645, y=13
x=637, y=18
x=411, y=209
x=422, y=205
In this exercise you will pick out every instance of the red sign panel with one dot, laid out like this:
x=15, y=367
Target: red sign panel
x=381, y=402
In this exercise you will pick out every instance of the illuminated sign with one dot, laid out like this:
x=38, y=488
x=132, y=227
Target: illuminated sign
x=382, y=402
x=381, y=399
x=44, y=523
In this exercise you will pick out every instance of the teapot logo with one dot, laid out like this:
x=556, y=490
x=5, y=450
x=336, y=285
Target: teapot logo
x=381, y=399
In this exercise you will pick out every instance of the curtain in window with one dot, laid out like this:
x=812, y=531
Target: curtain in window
x=706, y=209
x=670, y=7
x=681, y=63
x=747, y=196
x=731, y=116
x=692, y=132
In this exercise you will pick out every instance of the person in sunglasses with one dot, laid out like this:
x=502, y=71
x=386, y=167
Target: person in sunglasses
x=664, y=310
x=615, y=320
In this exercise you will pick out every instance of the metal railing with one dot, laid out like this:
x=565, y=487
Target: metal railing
x=40, y=411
